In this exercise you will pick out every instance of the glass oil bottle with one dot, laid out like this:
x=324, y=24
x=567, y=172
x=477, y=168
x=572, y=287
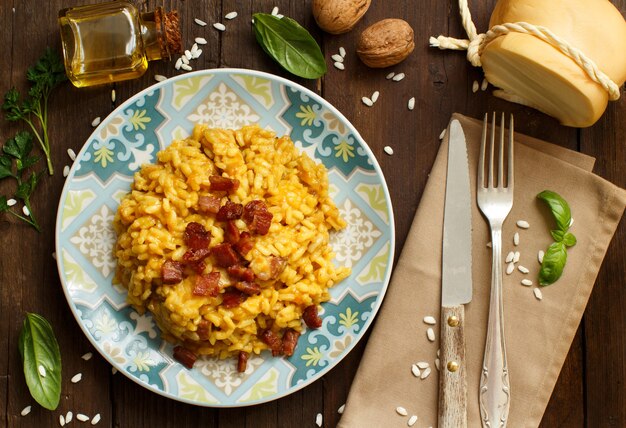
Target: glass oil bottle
x=113, y=41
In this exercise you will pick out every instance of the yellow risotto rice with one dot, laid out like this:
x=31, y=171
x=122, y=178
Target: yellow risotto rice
x=151, y=220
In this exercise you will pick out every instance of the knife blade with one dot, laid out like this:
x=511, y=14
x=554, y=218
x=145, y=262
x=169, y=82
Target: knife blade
x=456, y=282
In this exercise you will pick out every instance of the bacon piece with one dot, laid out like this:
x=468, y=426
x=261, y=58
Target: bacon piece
x=231, y=232
x=198, y=267
x=207, y=285
x=219, y=183
x=249, y=288
x=232, y=298
x=244, y=244
x=208, y=204
x=224, y=254
x=203, y=330
x=196, y=236
x=192, y=256
x=241, y=272
x=185, y=356
x=242, y=361
x=277, y=266
x=251, y=209
x=273, y=341
x=257, y=217
x=229, y=211
x=172, y=272
x=290, y=340
x=311, y=318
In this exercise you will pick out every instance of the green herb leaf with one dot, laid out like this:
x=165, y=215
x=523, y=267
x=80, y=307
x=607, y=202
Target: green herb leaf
x=557, y=235
x=559, y=207
x=30, y=161
x=569, y=239
x=290, y=44
x=4, y=206
x=19, y=146
x=553, y=263
x=5, y=167
x=11, y=105
x=39, y=348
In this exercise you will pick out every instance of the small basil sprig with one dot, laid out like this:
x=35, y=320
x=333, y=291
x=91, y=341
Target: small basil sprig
x=39, y=348
x=556, y=255
x=290, y=44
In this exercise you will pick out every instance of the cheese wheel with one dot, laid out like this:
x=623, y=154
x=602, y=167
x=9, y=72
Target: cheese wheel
x=545, y=77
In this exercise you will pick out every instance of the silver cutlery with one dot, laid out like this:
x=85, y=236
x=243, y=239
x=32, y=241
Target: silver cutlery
x=495, y=200
x=456, y=282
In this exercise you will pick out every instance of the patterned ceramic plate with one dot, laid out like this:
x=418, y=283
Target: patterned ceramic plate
x=130, y=137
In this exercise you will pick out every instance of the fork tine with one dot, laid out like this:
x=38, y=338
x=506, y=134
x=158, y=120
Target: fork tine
x=490, y=183
x=510, y=168
x=501, y=154
x=481, y=160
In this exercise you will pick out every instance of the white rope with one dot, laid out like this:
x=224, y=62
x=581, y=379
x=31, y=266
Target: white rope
x=477, y=42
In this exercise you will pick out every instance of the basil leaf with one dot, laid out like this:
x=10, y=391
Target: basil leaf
x=39, y=348
x=569, y=239
x=559, y=207
x=557, y=235
x=290, y=44
x=553, y=263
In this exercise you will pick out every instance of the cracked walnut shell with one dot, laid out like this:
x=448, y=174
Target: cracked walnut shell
x=385, y=43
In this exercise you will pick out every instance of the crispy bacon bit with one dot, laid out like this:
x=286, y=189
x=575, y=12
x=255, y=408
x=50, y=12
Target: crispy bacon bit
x=208, y=204
x=241, y=272
x=203, y=330
x=249, y=288
x=277, y=266
x=196, y=236
x=233, y=298
x=273, y=341
x=185, y=356
x=197, y=267
x=290, y=340
x=231, y=232
x=242, y=361
x=251, y=209
x=229, y=211
x=219, y=183
x=207, y=285
x=172, y=272
x=244, y=244
x=257, y=217
x=225, y=255
x=192, y=256
x=311, y=318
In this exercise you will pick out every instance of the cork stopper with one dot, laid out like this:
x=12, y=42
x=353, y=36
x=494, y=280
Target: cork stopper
x=168, y=32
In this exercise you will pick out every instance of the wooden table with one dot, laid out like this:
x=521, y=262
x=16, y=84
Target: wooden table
x=591, y=390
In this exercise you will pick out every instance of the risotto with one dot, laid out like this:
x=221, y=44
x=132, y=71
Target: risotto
x=226, y=241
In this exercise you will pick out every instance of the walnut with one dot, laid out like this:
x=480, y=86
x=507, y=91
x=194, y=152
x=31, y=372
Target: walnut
x=339, y=16
x=385, y=43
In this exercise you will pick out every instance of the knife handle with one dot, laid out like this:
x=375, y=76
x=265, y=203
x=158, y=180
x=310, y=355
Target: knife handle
x=452, y=380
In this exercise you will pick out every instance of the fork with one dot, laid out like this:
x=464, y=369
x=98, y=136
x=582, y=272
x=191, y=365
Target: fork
x=495, y=200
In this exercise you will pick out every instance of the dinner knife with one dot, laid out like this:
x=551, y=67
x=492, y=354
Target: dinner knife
x=456, y=282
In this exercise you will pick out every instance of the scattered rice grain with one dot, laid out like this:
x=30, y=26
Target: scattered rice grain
x=11, y=202
x=159, y=77
x=72, y=154
x=196, y=54
x=415, y=370
x=401, y=411
x=113, y=97
x=522, y=224
x=275, y=11
x=219, y=26
x=26, y=410
x=188, y=54
x=87, y=356
x=430, y=320
x=341, y=409
x=516, y=239
x=430, y=333
x=411, y=104
x=412, y=421
x=81, y=417
x=425, y=373
x=186, y=67
x=437, y=363
x=202, y=40
x=509, y=257
x=571, y=222
x=423, y=365
x=540, y=255
x=229, y=16
x=475, y=86
x=342, y=51
x=62, y=420
x=388, y=150
x=41, y=369
x=516, y=257
x=68, y=417
x=367, y=101
x=95, y=419
x=510, y=268
x=390, y=75
x=54, y=256
x=438, y=350
x=95, y=122
x=538, y=293
x=443, y=134
x=527, y=282
x=337, y=58
x=199, y=22
x=375, y=96
x=77, y=378
x=194, y=48
x=178, y=64
x=279, y=16
x=483, y=86
x=398, y=77
x=113, y=370
x=66, y=170
x=523, y=269
x=339, y=65
x=184, y=59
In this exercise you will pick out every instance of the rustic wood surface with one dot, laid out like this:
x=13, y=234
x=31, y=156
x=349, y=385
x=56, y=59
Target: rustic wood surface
x=591, y=391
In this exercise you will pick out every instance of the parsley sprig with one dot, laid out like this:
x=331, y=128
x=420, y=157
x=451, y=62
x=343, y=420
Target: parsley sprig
x=44, y=76
x=15, y=161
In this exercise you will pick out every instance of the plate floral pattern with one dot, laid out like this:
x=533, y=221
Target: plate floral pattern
x=130, y=137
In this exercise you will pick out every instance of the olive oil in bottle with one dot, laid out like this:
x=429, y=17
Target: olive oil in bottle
x=113, y=41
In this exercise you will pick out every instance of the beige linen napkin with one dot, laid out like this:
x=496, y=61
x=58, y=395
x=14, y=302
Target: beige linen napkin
x=538, y=333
